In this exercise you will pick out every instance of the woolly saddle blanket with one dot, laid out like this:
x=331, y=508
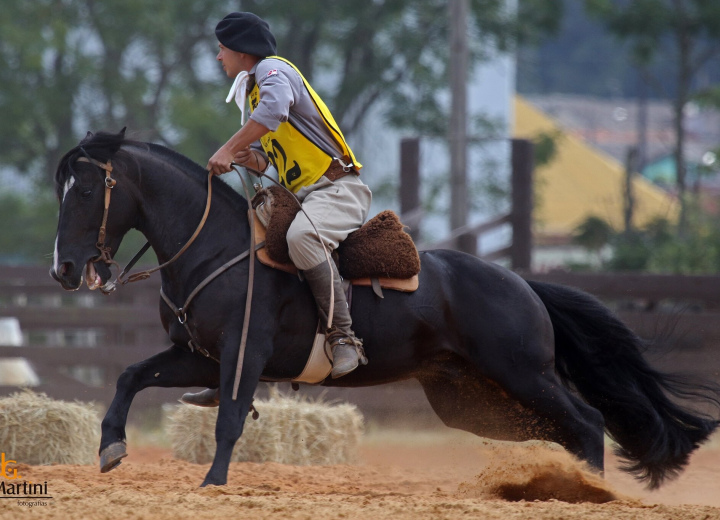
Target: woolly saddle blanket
x=380, y=250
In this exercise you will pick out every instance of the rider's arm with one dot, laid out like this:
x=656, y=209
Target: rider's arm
x=277, y=95
x=221, y=160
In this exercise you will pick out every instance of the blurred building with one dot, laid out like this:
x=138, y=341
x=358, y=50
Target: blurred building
x=613, y=125
x=581, y=181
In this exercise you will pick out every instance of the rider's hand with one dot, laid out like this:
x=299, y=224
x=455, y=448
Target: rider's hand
x=250, y=159
x=220, y=162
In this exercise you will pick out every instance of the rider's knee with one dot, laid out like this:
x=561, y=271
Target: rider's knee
x=303, y=246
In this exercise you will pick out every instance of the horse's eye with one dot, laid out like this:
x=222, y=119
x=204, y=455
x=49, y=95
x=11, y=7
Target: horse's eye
x=86, y=193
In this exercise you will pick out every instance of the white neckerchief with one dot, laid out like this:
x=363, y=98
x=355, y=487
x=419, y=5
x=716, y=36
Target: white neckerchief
x=238, y=91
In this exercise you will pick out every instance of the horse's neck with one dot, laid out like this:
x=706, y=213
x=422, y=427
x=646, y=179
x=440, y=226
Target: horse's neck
x=173, y=205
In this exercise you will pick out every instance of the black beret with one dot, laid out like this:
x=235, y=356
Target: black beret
x=246, y=32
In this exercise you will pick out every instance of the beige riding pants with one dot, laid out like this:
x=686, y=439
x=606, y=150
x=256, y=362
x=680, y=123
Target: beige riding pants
x=336, y=208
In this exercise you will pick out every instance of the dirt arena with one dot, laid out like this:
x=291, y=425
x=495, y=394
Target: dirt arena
x=398, y=475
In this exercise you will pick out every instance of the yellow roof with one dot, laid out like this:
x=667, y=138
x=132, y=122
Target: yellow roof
x=582, y=181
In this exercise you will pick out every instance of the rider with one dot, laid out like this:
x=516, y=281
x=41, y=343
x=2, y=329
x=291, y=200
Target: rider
x=299, y=136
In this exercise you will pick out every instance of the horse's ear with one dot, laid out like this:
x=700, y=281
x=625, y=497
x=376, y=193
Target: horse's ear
x=87, y=138
x=122, y=132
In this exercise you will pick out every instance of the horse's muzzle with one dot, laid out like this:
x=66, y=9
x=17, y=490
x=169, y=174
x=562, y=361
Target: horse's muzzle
x=66, y=276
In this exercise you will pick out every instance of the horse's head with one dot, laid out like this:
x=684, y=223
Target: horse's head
x=88, y=176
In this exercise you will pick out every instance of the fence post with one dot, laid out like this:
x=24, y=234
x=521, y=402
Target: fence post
x=631, y=166
x=410, y=184
x=522, y=204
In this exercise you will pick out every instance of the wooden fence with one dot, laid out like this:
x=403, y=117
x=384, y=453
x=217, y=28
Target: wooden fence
x=79, y=342
x=466, y=238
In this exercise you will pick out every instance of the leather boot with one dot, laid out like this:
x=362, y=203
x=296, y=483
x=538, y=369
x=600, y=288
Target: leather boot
x=346, y=348
x=208, y=398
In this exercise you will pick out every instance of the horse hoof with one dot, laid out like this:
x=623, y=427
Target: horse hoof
x=206, y=484
x=111, y=456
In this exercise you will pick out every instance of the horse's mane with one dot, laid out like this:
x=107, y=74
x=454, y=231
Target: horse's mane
x=103, y=146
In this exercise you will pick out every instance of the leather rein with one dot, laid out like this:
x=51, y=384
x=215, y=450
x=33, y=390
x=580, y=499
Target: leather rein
x=104, y=249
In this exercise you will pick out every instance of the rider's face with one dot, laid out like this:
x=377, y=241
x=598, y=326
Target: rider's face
x=233, y=62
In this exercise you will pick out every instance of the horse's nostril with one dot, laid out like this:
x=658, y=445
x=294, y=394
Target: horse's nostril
x=65, y=268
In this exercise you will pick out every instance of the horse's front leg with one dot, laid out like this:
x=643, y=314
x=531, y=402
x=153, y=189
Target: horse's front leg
x=232, y=413
x=175, y=367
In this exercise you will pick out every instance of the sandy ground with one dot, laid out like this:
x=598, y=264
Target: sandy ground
x=398, y=475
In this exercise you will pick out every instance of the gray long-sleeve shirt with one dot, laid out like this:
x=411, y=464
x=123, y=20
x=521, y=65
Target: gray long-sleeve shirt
x=283, y=97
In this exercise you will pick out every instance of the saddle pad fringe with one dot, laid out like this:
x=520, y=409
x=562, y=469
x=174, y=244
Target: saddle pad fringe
x=379, y=249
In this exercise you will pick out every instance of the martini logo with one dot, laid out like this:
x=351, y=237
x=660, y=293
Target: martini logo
x=27, y=494
x=4, y=469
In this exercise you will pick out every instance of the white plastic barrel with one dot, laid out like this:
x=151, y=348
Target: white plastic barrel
x=14, y=371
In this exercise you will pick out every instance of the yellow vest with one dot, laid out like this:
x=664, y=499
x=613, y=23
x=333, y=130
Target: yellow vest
x=298, y=160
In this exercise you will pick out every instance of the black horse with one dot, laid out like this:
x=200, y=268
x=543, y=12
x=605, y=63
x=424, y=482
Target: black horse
x=496, y=355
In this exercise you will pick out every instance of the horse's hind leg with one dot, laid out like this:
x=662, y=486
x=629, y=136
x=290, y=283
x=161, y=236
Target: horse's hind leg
x=176, y=366
x=533, y=406
x=568, y=421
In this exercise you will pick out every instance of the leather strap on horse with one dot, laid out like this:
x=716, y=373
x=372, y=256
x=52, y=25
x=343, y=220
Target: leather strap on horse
x=251, y=277
x=142, y=275
x=105, y=250
x=248, y=298
x=181, y=312
x=109, y=185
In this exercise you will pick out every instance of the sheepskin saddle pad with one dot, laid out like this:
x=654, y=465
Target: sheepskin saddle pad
x=380, y=249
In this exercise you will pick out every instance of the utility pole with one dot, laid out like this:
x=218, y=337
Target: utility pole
x=410, y=209
x=642, y=119
x=457, y=134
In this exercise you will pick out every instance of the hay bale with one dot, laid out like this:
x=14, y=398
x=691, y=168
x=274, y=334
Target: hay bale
x=290, y=430
x=35, y=429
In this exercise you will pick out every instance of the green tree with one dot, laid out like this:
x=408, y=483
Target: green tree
x=657, y=247
x=393, y=50
x=593, y=234
x=33, y=226
x=68, y=66
x=72, y=65
x=685, y=33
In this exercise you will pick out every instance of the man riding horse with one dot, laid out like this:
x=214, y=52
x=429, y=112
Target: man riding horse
x=292, y=128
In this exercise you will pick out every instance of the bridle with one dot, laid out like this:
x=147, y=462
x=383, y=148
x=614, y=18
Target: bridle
x=105, y=253
x=110, y=183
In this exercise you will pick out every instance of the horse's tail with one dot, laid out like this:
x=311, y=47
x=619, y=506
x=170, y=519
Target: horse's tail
x=602, y=358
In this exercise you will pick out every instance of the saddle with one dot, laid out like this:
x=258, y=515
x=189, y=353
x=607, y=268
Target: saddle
x=380, y=254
